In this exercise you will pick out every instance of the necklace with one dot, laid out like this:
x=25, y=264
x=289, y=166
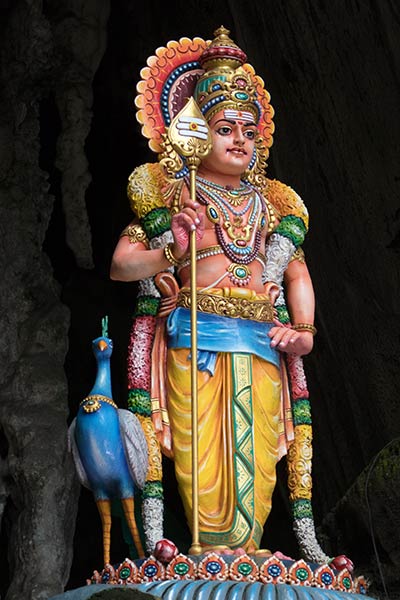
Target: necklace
x=240, y=242
x=235, y=196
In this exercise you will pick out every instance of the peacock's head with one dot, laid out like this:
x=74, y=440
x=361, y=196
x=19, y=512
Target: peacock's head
x=102, y=347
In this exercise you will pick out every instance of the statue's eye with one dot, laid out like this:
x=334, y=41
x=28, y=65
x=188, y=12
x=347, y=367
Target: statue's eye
x=250, y=134
x=224, y=130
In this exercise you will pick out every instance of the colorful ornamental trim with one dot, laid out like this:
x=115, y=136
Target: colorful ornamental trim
x=216, y=567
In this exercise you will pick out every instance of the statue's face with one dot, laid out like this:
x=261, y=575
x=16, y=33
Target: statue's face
x=233, y=140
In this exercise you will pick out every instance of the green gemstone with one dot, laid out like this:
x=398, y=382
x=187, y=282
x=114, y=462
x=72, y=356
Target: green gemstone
x=240, y=273
x=346, y=583
x=245, y=568
x=181, y=568
x=241, y=95
x=302, y=574
x=124, y=573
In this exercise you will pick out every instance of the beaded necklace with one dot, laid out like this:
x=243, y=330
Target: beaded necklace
x=236, y=195
x=243, y=247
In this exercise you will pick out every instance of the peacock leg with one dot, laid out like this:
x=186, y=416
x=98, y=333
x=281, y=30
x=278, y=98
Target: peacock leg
x=104, y=507
x=128, y=505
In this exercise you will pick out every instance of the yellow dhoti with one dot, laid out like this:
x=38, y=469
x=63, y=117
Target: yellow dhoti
x=239, y=410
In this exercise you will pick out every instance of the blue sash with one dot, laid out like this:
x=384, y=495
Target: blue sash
x=220, y=334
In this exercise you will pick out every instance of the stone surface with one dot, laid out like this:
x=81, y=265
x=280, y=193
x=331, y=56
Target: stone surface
x=38, y=490
x=368, y=513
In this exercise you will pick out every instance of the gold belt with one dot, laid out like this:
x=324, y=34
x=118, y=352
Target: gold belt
x=252, y=308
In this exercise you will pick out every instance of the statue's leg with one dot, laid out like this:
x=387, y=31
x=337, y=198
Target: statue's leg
x=128, y=504
x=104, y=507
x=238, y=433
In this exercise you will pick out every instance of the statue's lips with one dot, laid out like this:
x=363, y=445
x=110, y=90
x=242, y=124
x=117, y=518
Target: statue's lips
x=237, y=151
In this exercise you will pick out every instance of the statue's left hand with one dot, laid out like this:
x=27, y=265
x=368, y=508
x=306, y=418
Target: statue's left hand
x=291, y=341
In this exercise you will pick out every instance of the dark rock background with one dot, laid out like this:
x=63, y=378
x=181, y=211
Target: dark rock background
x=68, y=141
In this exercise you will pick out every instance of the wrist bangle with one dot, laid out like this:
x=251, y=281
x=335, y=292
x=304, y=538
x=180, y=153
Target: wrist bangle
x=305, y=327
x=170, y=257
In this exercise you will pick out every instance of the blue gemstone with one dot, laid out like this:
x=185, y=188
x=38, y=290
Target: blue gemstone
x=213, y=567
x=150, y=570
x=274, y=570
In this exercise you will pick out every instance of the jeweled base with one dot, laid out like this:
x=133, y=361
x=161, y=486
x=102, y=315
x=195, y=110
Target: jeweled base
x=230, y=568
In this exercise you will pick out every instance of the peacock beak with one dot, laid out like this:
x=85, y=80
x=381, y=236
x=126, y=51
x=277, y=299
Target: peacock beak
x=102, y=345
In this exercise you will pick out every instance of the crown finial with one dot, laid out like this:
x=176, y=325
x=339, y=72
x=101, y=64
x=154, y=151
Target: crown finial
x=222, y=52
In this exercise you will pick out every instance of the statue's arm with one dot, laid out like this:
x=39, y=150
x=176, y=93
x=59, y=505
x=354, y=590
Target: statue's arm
x=301, y=305
x=299, y=293
x=133, y=261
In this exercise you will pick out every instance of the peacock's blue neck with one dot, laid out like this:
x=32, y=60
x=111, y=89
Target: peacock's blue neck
x=102, y=385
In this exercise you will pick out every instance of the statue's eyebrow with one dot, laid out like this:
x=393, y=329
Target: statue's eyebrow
x=245, y=124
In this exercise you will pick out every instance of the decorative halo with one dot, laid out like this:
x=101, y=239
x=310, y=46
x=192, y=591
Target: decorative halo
x=266, y=125
x=169, y=79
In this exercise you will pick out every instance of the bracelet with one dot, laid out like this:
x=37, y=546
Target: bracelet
x=170, y=257
x=305, y=327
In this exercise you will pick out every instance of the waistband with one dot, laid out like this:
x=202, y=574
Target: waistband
x=220, y=334
x=236, y=303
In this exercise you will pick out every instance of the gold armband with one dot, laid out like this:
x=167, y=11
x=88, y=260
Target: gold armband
x=135, y=233
x=298, y=255
x=305, y=327
x=170, y=257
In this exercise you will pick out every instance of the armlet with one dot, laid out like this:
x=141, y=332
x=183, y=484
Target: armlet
x=135, y=234
x=299, y=255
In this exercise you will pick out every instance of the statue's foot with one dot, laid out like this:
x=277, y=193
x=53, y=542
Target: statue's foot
x=224, y=550
x=262, y=553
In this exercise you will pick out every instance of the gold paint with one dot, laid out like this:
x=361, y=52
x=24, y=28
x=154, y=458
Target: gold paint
x=154, y=472
x=285, y=200
x=145, y=189
x=135, y=234
x=97, y=399
x=299, y=255
x=299, y=463
x=243, y=308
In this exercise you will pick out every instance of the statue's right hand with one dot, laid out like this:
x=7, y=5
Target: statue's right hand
x=186, y=220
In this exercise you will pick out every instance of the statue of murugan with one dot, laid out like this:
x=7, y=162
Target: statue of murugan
x=255, y=302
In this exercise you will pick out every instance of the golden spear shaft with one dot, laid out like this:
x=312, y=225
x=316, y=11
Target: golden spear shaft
x=195, y=547
x=190, y=137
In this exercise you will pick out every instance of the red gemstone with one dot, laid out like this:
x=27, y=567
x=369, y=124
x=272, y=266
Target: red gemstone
x=241, y=243
x=165, y=550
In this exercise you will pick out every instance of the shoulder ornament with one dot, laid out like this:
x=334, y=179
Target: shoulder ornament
x=285, y=200
x=145, y=186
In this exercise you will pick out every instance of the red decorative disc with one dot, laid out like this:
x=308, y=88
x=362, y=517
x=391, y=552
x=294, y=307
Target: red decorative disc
x=344, y=582
x=324, y=577
x=300, y=573
x=243, y=568
x=151, y=570
x=212, y=567
x=273, y=571
x=127, y=572
x=181, y=567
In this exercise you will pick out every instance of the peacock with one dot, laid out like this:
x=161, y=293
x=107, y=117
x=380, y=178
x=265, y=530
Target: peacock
x=109, y=448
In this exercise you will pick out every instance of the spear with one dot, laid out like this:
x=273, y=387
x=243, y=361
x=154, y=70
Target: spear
x=190, y=137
